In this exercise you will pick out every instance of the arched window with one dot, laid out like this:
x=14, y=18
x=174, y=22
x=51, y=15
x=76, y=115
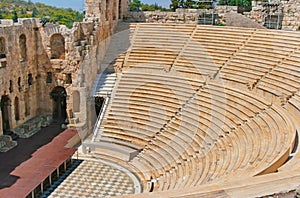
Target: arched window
x=76, y=101
x=23, y=48
x=2, y=52
x=57, y=43
x=17, y=112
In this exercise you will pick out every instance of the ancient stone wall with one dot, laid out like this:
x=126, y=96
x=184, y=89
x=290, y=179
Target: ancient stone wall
x=290, y=11
x=19, y=75
x=291, y=18
x=36, y=59
x=180, y=16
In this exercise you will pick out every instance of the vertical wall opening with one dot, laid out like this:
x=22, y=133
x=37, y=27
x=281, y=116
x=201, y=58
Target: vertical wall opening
x=59, y=97
x=49, y=78
x=120, y=9
x=106, y=10
x=17, y=110
x=115, y=9
x=19, y=84
x=30, y=79
x=2, y=52
x=26, y=102
x=5, y=110
x=68, y=78
x=57, y=43
x=23, y=48
x=11, y=89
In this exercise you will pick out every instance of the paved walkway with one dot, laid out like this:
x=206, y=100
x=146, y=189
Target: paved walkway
x=10, y=160
x=94, y=179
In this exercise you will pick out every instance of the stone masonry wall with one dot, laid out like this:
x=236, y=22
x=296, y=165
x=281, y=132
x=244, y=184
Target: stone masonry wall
x=180, y=16
x=289, y=9
x=14, y=76
x=75, y=71
x=291, y=18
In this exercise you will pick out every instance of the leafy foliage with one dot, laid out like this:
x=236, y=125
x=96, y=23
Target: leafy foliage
x=136, y=5
x=196, y=4
x=14, y=9
x=235, y=2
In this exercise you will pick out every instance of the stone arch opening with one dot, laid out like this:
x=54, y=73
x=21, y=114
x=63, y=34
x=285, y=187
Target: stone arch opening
x=23, y=47
x=5, y=112
x=17, y=110
x=57, y=43
x=59, y=97
x=76, y=101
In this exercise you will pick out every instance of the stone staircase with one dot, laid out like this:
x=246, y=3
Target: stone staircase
x=105, y=84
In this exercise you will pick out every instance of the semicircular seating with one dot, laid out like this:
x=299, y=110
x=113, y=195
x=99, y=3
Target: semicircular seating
x=182, y=101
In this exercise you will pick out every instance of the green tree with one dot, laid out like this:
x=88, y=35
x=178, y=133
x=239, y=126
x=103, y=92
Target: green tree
x=44, y=20
x=135, y=5
x=190, y=4
x=175, y=4
x=152, y=7
x=23, y=11
x=34, y=12
x=236, y=2
x=15, y=16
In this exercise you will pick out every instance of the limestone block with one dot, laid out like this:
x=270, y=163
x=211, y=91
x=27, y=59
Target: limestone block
x=6, y=143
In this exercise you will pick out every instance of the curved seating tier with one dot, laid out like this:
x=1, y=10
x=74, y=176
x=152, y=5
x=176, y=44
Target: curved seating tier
x=284, y=80
x=192, y=127
x=143, y=104
x=269, y=61
x=234, y=130
x=221, y=44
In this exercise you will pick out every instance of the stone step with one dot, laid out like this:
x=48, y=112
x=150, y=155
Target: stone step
x=105, y=84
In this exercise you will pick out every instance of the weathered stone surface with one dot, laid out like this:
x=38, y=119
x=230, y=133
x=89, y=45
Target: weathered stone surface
x=180, y=16
x=288, y=9
x=54, y=56
x=238, y=20
x=32, y=126
x=6, y=143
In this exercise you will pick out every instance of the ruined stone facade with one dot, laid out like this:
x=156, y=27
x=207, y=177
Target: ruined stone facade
x=50, y=70
x=288, y=12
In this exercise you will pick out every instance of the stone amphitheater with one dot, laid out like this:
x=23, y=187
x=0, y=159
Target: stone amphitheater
x=186, y=110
